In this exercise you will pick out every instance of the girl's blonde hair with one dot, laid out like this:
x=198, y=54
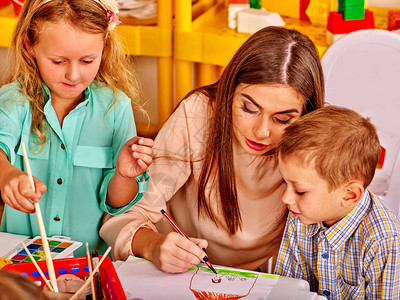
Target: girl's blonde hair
x=86, y=15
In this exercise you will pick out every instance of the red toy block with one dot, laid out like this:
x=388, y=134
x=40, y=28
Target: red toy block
x=381, y=158
x=303, y=7
x=336, y=24
x=238, y=1
x=393, y=20
x=17, y=6
x=4, y=2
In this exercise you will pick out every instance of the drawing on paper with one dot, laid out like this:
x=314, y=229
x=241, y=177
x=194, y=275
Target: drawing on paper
x=228, y=284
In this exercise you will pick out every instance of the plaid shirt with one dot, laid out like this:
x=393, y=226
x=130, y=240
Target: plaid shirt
x=357, y=258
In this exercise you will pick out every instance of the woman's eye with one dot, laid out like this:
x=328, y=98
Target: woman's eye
x=247, y=110
x=299, y=193
x=86, y=62
x=283, y=121
x=57, y=62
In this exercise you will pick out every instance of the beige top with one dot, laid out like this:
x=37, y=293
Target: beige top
x=173, y=186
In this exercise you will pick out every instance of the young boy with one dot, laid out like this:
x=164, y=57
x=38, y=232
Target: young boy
x=339, y=236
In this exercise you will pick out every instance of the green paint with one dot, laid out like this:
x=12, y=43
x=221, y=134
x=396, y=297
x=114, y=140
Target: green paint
x=236, y=273
x=54, y=243
x=227, y=272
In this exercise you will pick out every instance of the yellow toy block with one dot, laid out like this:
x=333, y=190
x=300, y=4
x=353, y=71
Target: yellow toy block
x=289, y=8
x=318, y=11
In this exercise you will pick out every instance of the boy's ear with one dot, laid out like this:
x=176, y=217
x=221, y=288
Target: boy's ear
x=353, y=193
x=29, y=46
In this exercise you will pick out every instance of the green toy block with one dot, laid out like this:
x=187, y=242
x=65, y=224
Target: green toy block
x=354, y=13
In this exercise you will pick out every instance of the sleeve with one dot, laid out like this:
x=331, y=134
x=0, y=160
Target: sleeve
x=383, y=271
x=170, y=170
x=13, y=116
x=121, y=119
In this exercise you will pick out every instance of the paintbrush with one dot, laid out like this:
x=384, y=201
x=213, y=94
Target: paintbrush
x=97, y=280
x=43, y=235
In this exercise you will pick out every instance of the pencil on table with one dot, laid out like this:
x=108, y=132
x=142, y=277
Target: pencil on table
x=37, y=267
x=43, y=235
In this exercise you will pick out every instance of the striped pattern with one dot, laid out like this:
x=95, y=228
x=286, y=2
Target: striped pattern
x=357, y=258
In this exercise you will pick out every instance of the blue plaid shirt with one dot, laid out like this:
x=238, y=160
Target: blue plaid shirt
x=356, y=258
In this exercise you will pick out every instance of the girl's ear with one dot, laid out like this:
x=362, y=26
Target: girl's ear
x=29, y=46
x=353, y=193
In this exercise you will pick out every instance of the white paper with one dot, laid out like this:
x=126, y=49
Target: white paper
x=10, y=242
x=141, y=279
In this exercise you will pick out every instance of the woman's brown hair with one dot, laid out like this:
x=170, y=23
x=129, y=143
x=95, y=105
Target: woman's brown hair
x=272, y=56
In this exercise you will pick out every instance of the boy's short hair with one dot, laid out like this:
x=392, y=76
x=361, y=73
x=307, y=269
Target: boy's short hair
x=341, y=144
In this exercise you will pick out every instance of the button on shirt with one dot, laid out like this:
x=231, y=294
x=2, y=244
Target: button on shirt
x=76, y=163
x=356, y=258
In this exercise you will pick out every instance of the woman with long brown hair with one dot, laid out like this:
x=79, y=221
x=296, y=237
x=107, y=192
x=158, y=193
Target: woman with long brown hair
x=215, y=168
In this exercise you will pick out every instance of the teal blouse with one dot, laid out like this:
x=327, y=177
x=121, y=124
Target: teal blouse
x=76, y=163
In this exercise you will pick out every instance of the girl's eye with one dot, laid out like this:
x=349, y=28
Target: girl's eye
x=299, y=193
x=57, y=62
x=86, y=62
x=247, y=110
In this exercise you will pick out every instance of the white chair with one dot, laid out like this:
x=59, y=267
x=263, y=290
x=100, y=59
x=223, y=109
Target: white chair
x=362, y=72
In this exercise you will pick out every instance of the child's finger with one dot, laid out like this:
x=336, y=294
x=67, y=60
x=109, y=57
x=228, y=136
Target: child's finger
x=146, y=142
x=146, y=159
x=142, y=149
x=142, y=165
x=20, y=203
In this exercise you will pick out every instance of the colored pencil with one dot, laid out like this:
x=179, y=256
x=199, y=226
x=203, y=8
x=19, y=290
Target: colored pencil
x=176, y=227
x=43, y=235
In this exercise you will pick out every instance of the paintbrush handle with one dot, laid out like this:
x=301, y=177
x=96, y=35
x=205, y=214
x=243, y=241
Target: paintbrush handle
x=87, y=282
x=42, y=230
x=46, y=248
x=37, y=267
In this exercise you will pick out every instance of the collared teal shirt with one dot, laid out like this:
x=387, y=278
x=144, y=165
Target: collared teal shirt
x=76, y=164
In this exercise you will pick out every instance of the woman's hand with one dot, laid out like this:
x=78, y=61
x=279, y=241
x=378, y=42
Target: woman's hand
x=174, y=253
x=135, y=157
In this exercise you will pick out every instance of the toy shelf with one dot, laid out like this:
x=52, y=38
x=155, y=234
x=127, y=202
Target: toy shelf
x=209, y=41
x=137, y=39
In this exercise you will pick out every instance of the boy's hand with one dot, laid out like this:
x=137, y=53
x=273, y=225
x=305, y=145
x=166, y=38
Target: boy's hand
x=135, y=157
x=16, y=191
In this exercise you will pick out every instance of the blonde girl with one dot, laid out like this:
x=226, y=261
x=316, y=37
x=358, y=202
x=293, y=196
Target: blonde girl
x=69, y=97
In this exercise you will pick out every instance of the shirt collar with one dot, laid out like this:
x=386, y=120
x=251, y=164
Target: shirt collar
x=342, y=230
x=87, y=94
